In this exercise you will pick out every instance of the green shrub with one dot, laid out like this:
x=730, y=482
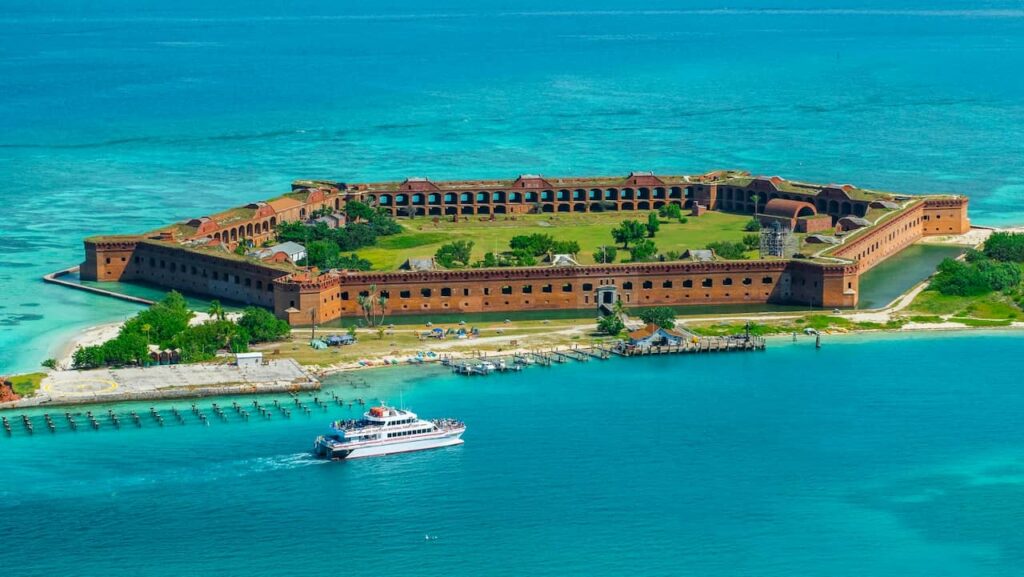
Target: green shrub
x=605, y=254
x=611, y=325
x=728, y=250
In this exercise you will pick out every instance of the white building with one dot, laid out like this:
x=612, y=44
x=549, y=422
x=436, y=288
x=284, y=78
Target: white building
x=292, y=250
x=248, y=359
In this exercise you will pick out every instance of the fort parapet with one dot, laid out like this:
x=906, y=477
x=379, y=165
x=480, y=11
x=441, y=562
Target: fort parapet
x=197, y=255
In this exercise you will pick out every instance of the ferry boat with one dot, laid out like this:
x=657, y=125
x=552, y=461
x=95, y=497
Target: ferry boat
x=385, y=430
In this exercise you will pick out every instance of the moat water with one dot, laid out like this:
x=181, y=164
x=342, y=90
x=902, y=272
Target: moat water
x=115, y=117
x=833, y=462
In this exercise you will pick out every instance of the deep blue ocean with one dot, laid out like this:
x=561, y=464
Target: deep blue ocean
x=834, y=462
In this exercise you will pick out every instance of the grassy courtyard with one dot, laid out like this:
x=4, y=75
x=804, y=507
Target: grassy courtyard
x=423, y=236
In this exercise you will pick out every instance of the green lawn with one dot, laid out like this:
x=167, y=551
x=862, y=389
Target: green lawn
x=26, y=385
x=990, y=306
x=824, y=323
x=423, y=236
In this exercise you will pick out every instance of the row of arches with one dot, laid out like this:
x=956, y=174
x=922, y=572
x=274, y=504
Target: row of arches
x=550, y=207
x=533, y=196
x=246, y=231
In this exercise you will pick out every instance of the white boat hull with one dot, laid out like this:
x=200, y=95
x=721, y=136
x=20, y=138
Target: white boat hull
x=348, y=451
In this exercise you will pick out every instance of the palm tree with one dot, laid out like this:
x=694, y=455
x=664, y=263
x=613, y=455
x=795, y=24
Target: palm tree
x=382, y=301
x=619, y=310
x=365, y=304
x=146, y=328
x=216, y=310
x=370, y=303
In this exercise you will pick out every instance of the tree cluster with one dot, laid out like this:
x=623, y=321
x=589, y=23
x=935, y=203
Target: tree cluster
x=364, y=225
x=977, y=275
x=540, y=244
x=629, y=231
x=664, y=317
x=454, y=254
x=505, y=259
x=671, y=212
x=326, y=254
x=166, y=325
x=1005, y=246
x=643, y=249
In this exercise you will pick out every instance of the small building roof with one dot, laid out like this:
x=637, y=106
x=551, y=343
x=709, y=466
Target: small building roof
x=287, y=248
x=851, y=222
x=652, y=329
x=785, y=208
x=885, y=204
x=284, y=203
x=563, y=260
x=419, y=264
x=700, y=254
x=823, y=239
x=248, y=355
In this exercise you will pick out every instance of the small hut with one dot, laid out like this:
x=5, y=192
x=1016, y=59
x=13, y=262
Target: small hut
x=653, y=335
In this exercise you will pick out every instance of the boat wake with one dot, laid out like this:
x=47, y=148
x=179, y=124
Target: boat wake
x=282, y=462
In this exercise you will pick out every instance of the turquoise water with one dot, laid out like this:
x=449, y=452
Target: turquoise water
x=117, y=116
x=832, y=462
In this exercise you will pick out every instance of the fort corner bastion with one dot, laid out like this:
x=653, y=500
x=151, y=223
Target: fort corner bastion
x=198, y=255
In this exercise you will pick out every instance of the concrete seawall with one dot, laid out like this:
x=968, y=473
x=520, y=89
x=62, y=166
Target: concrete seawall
x=168, y=382
x=55, y=278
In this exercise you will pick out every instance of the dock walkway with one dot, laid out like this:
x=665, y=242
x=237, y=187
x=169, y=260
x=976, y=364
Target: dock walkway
x=699, y=345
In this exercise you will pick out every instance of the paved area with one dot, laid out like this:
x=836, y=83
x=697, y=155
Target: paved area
x=171, y=381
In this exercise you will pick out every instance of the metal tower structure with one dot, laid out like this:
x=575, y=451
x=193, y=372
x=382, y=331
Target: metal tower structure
x=777, y=241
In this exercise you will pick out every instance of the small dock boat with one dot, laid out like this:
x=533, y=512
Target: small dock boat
x=385, y=430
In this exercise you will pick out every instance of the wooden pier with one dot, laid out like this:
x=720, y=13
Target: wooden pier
x=307, y=404
x=483, y=364
x=697, y=345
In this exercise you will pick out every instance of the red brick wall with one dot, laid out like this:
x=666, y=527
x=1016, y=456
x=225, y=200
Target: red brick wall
x=547, y=288
x=107, y=260
x=176, y=268
x=870, y=246
x=946, y=216
x=813, y=224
